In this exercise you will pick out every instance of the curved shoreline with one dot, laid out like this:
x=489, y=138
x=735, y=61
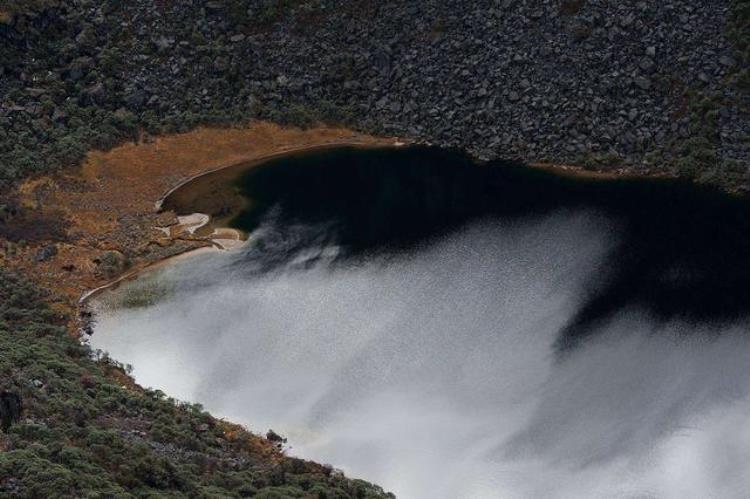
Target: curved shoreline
x=256, y=162
x=242, y=165
x=110, y=203
x=86, y=227
x=134, y=274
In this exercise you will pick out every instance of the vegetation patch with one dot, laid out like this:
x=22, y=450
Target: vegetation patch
x=85, y=430
x=147, y=291
x=21, y=225
x=10, y=7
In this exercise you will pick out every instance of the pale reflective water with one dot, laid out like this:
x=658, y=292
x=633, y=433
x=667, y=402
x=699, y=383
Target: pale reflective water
x=437, y=370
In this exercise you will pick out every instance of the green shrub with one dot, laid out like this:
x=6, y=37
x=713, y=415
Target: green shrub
x=82, y=434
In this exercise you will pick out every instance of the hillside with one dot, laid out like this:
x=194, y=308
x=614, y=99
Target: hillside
x=81, y=433
x=614, y=87
x=640, y=86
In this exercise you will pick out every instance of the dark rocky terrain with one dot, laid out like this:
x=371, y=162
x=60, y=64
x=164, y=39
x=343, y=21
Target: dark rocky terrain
x=637, y=86
x=641, y=86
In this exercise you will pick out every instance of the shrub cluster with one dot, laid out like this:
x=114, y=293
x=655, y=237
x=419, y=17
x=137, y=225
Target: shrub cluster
x=86, y=430
x=67, y=83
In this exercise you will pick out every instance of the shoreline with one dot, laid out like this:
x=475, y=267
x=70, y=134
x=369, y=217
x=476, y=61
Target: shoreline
x=214, y=244
x=276, y=155
x=103, y=222
x=86, y=228
x=244, y=165
x=581, y=172
x=134, y=274
x=213, y=247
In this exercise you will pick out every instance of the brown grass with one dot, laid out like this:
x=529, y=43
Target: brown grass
x=109, y=203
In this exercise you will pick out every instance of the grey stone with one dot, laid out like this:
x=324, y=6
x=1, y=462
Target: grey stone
x=646, y=64
x=74, y=74
x=36, y=92
x=382, y=62
x=643, y=83
x=627, y=20
x=135, y=99
x=163, y=43
x=45, y=253
x=94, y=94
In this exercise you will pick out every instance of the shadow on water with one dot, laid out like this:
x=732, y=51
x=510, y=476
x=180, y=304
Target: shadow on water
x=682, y=251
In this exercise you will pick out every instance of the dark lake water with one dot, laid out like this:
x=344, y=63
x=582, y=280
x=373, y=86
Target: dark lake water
x=681, y=251
x=449, y=328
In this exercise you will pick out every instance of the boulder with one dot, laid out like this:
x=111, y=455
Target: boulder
x=274, y=437
x=643, y=83
x=45, y=253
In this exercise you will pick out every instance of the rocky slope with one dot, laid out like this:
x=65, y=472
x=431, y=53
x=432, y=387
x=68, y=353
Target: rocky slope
x=644, y=86
x=637, y=86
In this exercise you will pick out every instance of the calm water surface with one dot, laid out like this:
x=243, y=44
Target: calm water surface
x=452, y=329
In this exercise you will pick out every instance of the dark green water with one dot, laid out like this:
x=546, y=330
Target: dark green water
x=682, y=251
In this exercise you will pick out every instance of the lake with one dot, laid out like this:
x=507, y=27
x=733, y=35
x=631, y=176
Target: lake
x=452, y=328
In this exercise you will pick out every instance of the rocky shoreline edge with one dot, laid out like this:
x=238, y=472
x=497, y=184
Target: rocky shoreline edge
x=224, y=238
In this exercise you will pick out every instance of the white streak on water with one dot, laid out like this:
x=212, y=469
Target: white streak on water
x=434, y=375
